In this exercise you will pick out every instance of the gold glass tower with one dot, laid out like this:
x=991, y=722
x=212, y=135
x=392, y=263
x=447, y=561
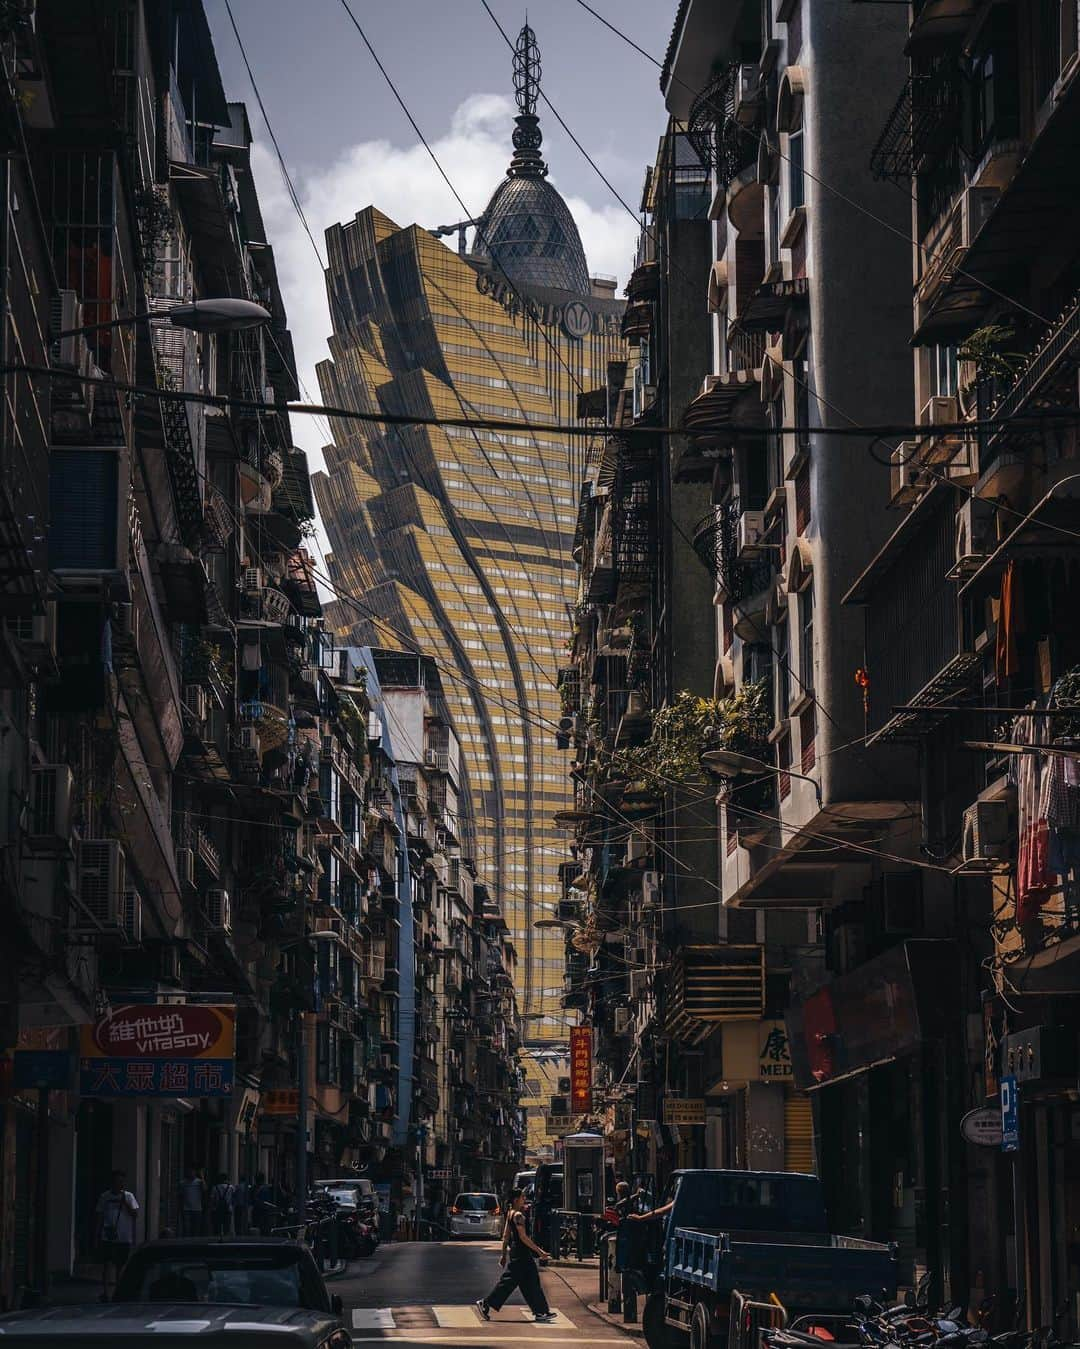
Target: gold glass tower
x=457, y=540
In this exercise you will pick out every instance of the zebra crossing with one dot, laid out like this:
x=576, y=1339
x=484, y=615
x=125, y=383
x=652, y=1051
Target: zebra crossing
x=421, y=1317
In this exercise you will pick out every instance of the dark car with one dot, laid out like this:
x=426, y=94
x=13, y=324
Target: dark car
x=173, y=1327
x=253, y=1271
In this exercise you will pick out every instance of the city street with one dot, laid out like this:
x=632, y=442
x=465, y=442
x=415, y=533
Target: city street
x=424, y=1293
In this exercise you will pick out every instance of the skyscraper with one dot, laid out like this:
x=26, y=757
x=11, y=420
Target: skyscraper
x=456, y=540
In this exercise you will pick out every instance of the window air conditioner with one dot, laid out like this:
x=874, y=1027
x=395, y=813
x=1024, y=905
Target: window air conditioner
x=986, y=832
x=907, y=478
x=975, y=209
x=251, y=580
x=638, y=848
x=50, y=806
x=218, y=911
x=185, y=866
x=650, y=890
x=169, y=964
x=101, y=885
x=131, y=917
x=975, y=529
x=431, y=758
x=623, y=1020
x=751, y=528
x=639, y=984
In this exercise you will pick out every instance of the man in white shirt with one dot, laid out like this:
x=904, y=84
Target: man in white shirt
x=116, y=1210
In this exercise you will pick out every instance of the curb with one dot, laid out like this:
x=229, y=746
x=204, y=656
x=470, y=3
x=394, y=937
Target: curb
x=591, y=1263
x=631, y=1328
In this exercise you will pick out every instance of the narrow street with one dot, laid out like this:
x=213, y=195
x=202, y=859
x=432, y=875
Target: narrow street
x=424, y=1293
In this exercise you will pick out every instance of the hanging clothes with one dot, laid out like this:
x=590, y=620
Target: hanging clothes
x=1010, y=621
x=1035, y=879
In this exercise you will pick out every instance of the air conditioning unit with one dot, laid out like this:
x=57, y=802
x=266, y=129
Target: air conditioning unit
x=102, y=870
x=218, y=911
x=907, y=476
x=131, y=917
x=247, y=740
x=36, y=635
x=650, y=891
x=975, y=535
x=975, y=209
x=49, y=822
x=747, y=94
x=251, y=580
x=431, y=758
x=185, y=865
x=65, y=313
x=638, y=847
x=751, y=528
x=623, y=1020
x=639, y=984
x=986, y=833
x=196, y=702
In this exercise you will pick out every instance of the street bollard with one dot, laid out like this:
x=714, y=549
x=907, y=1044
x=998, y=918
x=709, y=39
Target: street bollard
x=629, y=1298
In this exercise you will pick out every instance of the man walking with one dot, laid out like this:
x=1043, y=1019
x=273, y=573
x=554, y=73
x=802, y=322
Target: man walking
x=115, y=1231
x=518, y=1259
x=241, y=1207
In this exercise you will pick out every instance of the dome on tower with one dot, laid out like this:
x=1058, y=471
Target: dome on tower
x=526, y=232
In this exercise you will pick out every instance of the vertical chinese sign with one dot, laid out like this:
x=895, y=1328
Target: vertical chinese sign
x=159, y=1050
x=580, y=1070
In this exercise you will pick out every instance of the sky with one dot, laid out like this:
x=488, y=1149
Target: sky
x=347, y=144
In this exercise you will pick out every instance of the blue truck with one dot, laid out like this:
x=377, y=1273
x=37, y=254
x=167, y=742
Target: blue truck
x=734, y=1236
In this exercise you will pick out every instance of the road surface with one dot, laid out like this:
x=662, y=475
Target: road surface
x=424, y=1293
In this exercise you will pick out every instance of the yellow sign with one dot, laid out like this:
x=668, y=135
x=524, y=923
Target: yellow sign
x=681, y=1110
x=281, y=1102
x=558, y=1124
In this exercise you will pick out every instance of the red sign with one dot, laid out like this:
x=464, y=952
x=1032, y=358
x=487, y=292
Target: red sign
x=580, y=1070
x=162, y=1031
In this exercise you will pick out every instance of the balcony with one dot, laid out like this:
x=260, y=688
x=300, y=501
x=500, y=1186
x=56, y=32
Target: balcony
x=716, y=542
x=709, y=985
x=718, y=120
x=925, y=122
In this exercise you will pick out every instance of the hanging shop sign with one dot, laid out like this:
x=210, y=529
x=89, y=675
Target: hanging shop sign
x=154, y=1049
x=285, y=1102
x=558, y=1124
x=42, y=1059
x=684, y=1110
x=982, y=1127
x=1010, y=1115
x=580, y=1070
x=774, y=1054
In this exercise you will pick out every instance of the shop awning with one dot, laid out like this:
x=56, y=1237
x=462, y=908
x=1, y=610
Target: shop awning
x=708, y=985
x=879, y=1012
x=714, y=410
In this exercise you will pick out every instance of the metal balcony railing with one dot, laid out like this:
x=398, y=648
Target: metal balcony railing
x=716, y=542
x=713, y=130
x=925, y=122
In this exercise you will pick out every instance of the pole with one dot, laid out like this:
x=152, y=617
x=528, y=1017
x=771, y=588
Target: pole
x=301, y=1118
x=41, y=1217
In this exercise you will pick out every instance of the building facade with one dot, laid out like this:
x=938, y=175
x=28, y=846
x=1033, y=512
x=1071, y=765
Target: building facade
x=456, y=538
x=200, y=816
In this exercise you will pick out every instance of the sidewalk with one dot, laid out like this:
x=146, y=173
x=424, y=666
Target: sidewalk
x=583, y=1279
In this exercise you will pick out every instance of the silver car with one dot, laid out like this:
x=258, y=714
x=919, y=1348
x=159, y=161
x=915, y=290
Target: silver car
x=476, y=1214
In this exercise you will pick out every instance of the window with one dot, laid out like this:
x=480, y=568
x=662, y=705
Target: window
x=801, y=378
x=783, y=763
x=796, y=177
x=782, y=683
x=806, y=638
x=802, y=499
x=943, y=371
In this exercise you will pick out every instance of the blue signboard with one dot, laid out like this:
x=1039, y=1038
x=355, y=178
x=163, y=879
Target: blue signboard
x=156, y=1077
x=1010, y=1115
x=46, y=1068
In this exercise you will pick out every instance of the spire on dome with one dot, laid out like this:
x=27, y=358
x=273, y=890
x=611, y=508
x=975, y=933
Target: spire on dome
x=527, y=161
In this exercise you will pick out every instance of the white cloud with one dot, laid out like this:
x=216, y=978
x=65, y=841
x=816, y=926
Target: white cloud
x=404, y=184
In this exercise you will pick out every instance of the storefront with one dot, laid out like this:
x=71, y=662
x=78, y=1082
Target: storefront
x=880, y=1050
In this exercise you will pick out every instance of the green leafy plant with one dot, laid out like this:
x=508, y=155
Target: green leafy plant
x=987, y=349
x=1066, y=693
x=687, y=727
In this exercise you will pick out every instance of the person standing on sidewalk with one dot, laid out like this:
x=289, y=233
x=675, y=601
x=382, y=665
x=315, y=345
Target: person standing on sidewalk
x=222, y=1198
x=115, y=1231
x=518, y=1259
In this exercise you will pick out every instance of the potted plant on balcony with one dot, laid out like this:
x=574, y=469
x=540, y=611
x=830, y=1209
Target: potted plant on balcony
x=985, y=360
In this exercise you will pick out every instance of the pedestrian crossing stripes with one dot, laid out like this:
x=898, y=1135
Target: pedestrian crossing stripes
x=446, y=1316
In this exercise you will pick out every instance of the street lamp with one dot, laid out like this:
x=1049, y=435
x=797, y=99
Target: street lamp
x=729, y=763
x=221, y=315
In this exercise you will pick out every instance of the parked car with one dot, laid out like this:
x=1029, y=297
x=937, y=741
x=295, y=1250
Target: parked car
x=476, y=1215
x=173, y=1327
x=525, y=1180
x=253, y=1271
x=352, y=1191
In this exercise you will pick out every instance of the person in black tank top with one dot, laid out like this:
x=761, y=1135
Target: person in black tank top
x=518, y=1259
